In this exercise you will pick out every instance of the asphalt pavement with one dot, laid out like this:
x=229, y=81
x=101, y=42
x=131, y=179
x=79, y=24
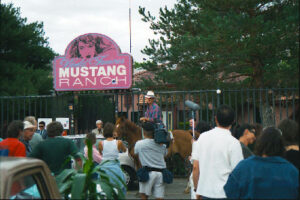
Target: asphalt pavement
x=172, y=191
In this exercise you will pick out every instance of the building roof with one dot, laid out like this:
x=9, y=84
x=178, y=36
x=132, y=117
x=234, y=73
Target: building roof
x=140, y=76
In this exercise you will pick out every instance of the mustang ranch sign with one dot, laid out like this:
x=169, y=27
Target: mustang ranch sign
x=92, y=62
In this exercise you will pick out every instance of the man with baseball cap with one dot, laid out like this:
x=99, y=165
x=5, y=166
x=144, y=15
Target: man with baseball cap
x=29, y=130
x=153, y=113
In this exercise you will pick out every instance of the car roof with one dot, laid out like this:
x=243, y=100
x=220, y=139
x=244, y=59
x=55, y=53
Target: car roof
x=9, y=165
x=12, y=166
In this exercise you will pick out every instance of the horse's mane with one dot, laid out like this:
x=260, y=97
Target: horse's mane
x=131, y=126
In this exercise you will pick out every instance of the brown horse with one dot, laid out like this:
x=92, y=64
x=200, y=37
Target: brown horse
x=180, y=144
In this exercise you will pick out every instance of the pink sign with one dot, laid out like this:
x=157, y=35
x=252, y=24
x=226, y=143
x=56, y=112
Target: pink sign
x=92, y=62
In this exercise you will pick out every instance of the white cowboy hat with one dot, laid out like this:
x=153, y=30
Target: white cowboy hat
x=150, y=94
x=27, y=125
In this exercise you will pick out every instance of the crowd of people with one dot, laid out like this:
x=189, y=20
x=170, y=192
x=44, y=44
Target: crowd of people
x=223, y=164
x=24, y=140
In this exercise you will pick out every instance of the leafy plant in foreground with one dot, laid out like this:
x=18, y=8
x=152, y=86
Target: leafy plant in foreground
x=89, y=182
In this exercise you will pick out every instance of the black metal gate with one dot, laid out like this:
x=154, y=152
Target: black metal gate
x=89, y=108
x=264, y=106
x=82, y=110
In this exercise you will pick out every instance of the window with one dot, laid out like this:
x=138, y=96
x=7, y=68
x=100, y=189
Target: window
x=25, y=188
x=168, y=120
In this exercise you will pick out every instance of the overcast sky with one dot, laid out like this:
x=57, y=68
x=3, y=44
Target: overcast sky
x=64, y=20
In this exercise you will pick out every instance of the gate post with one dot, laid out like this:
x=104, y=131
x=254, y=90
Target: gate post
x=116, y=105
x=71, y=109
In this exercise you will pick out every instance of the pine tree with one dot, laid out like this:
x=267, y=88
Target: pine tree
x=235, y=43
x=25, y=55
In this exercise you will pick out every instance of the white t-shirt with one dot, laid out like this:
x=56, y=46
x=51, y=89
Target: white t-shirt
x=218, y=152
x=150, y=153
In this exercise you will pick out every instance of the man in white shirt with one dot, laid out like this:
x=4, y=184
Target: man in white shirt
x=215, y=155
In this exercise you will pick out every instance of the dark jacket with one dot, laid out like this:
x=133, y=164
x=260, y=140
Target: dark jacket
x=43, y=133
x=263, y=178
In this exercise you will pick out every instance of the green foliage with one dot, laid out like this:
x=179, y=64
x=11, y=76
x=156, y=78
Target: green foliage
x=184, y=124
x=137, y=65
x=207, y=44
x=25, y=57
x=80, y=184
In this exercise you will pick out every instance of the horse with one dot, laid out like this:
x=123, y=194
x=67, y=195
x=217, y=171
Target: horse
x=181, y=143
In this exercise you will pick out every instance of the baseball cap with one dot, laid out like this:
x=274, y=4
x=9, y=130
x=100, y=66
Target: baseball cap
x=28, y=125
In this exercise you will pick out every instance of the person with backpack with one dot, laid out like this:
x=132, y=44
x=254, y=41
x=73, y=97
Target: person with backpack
x=153, y=174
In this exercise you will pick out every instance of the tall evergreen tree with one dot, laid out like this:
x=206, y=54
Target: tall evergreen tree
x=25, y=56
x=234, y=43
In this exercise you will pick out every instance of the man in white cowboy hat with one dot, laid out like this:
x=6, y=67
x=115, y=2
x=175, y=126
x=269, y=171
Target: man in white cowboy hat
x=99, y=129
x=153, y=112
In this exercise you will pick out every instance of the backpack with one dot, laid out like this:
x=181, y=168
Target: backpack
x=162, y=136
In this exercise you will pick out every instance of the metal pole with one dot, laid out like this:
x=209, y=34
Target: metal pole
x=193, y=124
x=71, y=110
x=116, y=105
x=130, y=26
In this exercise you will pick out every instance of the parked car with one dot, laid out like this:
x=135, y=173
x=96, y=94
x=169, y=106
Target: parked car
x=126, y=161
x=26, y=178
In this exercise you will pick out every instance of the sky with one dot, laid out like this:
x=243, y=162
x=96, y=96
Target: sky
x=64, y=20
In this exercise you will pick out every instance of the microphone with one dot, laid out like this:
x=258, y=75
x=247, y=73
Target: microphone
x=192, y=105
